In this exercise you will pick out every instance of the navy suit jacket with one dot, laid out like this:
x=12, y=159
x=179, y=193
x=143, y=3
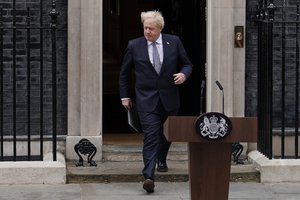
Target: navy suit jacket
x=149, y=86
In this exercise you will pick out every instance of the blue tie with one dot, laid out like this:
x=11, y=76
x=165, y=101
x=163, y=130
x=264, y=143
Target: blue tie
x=156, y=60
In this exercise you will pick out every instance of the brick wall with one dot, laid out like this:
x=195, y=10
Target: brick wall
x=290, y=62
x=251, y=60
x=35, y=60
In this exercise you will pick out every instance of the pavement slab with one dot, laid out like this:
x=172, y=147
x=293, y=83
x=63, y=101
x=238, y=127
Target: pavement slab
x=134, y=191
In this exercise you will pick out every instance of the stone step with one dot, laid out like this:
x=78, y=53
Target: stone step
x=125, y=171
x=124, y=163
x=118, y=153
x=122, y=172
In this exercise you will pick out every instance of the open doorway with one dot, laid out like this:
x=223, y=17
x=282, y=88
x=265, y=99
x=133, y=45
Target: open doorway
x=121, y=22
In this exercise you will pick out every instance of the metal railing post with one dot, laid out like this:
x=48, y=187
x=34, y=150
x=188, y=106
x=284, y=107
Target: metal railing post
x=53, y=14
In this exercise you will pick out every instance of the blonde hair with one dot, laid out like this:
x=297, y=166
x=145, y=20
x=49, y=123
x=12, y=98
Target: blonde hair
x=154, y=14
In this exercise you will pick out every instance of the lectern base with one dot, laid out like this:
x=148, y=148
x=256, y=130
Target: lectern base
x=209, y=165
x=209, y=161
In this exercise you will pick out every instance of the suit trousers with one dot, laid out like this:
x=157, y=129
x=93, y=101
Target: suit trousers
x=155, y=146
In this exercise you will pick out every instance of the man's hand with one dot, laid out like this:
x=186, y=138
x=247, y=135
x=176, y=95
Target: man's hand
x=127, y=103
x=179, y=78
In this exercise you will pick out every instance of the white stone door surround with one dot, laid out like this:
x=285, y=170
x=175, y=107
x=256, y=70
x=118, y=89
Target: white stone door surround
x=84, y=75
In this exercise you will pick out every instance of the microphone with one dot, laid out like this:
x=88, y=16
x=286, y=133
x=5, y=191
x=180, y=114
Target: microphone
x=221, y=88
x=219, y=85
x=201, y=94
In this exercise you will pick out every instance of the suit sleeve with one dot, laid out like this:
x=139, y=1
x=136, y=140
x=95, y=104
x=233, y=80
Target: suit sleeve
x=184, y=61
x=125, y=73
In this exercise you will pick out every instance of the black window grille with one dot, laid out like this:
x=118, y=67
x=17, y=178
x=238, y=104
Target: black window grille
x=29, y=100
x=278, y=77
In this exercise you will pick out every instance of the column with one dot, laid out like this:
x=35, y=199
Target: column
x=84, y=75
x=224, y=62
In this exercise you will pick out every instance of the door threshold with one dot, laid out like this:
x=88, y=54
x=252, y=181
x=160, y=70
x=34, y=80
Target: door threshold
x=122, y=139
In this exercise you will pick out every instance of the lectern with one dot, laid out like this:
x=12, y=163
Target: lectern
x=209, y=160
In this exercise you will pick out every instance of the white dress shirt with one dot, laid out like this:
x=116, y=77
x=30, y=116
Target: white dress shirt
x=159, y=49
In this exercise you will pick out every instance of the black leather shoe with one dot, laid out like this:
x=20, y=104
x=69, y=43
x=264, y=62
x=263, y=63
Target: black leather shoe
x=148, y=185
x=162, y=167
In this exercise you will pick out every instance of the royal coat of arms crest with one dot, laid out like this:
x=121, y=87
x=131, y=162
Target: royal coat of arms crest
x=213, y=125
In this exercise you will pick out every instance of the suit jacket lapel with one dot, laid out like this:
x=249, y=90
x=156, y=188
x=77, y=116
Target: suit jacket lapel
x=145, y=53
x=166, y=50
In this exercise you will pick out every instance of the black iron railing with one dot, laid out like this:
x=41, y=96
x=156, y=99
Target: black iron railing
x=16, y=57
x=278, y=76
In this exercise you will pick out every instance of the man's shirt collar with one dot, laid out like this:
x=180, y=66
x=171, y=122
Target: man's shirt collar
x=158, y=41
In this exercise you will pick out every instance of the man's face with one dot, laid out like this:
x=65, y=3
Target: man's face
x=151, y=30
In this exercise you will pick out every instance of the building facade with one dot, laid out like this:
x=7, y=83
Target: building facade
x=219, y=36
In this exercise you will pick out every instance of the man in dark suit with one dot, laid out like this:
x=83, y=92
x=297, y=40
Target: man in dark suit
x=160, y=63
